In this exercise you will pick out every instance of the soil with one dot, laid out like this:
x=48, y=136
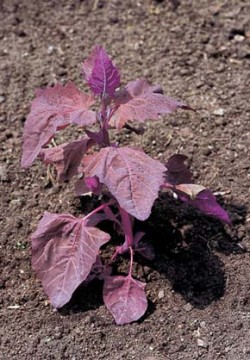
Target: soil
x=198, y=286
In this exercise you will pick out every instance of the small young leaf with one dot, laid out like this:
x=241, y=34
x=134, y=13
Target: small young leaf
x=102, y=76
x=88, y=186
x=203, y=199
x=53, y=109
x=131, y=176
x=125, y=298
x=192, y=190
x=140, y=101
x=178, y=179
x=66, y=157
x=64, y=250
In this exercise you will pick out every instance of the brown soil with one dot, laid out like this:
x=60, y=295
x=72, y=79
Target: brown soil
x=198, y=286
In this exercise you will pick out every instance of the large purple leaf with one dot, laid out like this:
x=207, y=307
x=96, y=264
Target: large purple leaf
x=102, y=76
x=66, y=157
x=203, y=199
x=140, y=101
x=177, y=170
x=64, y=250
x=53, y=109
x=131, y=176
x=125, y=298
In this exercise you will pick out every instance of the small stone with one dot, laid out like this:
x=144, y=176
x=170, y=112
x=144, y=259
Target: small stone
x=3, y=173
x=203, y=324
x=239, y=38
x=58, y=335
x=186, y=132
x=62, y=72
x=50, y=49
x=219, y=112
x=2, y=99
x=13, y=307
x=188, y=307
x=207, y=151
x=89, y=319
x=47, y=339
x=218, y=121
x=161, y=294
x=202, y=343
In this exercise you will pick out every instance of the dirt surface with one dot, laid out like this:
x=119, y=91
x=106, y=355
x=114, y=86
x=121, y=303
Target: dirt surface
x=198, y=287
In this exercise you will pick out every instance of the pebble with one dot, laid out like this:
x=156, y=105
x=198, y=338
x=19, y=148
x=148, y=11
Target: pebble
x=3, y=173
x=58, y=334
x=186, y=132
x=50, y=49
x=219, y=121
x=239, y=38
x=161, y=294
x=202, y=343
x=13, y=307
x=207, y=151
x=219, y=112
x=188, y=307
x=2, y=99
x=203, y=324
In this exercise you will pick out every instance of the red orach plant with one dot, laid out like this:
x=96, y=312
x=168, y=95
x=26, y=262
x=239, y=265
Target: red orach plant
x=65, y=249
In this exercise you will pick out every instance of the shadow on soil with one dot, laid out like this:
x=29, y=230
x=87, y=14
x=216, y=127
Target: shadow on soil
x=186, y=244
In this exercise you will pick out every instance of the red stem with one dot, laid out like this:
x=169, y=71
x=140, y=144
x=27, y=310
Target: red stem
x=131, y=261
x=99, y=208
x=104, y=124
x=127, y=227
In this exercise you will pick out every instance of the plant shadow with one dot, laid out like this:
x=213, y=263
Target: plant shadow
x=187, y=246
x=85, y=298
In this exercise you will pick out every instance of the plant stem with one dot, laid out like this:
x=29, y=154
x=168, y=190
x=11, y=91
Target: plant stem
x=127, y=227
x=104, y=124
x=99, y=208
x=131, y=261
x=105, y=135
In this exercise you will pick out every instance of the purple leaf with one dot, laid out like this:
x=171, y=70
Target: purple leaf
x=203, y=199
x=140, y=101
x=131, y=176
x=125, y=298
x=53, y=109
x=87, y=186
x=64, y=250
x=81, y=189
x=102, y=76
x=177, y=171
x=191, y=190
x=66, y=157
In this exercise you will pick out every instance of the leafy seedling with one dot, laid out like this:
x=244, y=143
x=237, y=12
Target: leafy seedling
x=65, y=249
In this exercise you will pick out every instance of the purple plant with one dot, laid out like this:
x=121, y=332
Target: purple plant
x=65, y=249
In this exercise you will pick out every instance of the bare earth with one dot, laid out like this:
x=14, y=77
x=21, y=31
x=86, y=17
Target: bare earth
x=199, y=285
